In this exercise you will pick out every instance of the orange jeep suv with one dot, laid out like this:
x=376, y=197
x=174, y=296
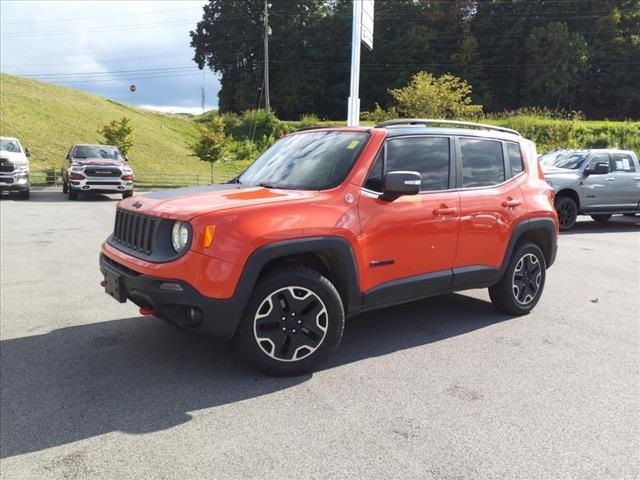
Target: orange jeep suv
x=332, y=222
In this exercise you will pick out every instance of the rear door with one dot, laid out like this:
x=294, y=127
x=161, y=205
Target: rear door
x=491, y=203
x=414, y=235
x=626, y=181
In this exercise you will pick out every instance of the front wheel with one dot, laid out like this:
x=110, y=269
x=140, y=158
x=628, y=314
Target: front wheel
x=24, y=195
x=567, y=212
x=73, y=194
x=522, y=283
x=293, y=322
x=127, y=194
x=601, y=218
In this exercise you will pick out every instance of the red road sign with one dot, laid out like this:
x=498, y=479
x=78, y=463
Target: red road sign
x=132, y=88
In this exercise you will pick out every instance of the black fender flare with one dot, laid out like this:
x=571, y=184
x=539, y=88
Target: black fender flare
x=348, y=271
x=548, y=225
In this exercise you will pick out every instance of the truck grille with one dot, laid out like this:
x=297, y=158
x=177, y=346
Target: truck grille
x=135, y=231
x=6, y=166
x=102, y=172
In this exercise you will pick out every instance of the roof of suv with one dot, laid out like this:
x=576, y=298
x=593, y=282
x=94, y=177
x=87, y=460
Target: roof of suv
x=421, y=130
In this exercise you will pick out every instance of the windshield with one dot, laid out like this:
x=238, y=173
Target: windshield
x=97, y=151
x=7, y=145
x=307, y=161
x=568, y=160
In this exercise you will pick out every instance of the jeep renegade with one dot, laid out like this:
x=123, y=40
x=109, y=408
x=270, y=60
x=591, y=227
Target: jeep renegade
x=331, y=222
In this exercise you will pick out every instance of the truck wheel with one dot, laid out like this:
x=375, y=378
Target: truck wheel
x=522, y=283
x=73, y=194
x=567, y=212
x=292, y=323
x=601, y=218
x=65, y=189
x=127, y=194
x=24, y=195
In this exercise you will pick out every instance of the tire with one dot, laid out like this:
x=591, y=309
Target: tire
x=73, y=194
x=567, y=212
x=65, y=187
x=601, y=218
x=508, y=295
x=127, y=194
x=24, y=195
x=308, y=341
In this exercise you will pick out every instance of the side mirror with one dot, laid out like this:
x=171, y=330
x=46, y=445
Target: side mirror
x=68, y=157
x=401, y=183
x=601, y=168
x=27, y=152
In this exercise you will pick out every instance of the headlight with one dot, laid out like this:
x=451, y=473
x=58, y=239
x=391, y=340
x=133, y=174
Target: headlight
x=179, y=236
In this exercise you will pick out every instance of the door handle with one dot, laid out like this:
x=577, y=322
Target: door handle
x=444, y=210
x=610, y=179
x=511, y=203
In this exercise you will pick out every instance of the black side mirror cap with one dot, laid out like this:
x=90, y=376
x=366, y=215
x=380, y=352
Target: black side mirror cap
x=27, y=152
x=398, y=183
x=600, y=168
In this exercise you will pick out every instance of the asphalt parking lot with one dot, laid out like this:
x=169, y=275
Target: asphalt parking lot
x=446, y=388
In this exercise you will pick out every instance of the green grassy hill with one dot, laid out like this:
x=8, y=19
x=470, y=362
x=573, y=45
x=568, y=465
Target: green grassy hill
x=49, y=119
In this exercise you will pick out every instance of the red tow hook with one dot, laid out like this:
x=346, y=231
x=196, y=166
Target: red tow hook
x=147, y=311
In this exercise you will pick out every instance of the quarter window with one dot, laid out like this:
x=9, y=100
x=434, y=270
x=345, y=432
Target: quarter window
x=429, y=156
x=374, y=179
x=515, y=158
x=482, y=162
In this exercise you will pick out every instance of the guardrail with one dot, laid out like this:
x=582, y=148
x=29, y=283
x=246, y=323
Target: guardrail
x=153, y=180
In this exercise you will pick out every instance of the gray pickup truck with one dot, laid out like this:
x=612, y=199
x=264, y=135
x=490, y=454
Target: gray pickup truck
x=598, y=182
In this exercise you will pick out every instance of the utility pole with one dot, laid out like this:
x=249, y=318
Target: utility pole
x=267, y=31
x=353, y=113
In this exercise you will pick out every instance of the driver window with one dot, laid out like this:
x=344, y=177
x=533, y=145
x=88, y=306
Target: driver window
x=598, y=158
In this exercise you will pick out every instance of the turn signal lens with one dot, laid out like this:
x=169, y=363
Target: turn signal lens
x=209, y=234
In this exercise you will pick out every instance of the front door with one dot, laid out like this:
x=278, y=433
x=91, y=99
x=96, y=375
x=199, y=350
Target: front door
x=598, y=191
x=410, y=241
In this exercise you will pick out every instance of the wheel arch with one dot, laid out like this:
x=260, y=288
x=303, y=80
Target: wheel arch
x=571, y=193
x=541, y=231
x=333, y=257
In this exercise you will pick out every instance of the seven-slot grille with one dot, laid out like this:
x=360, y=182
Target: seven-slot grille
x=102, y=172
x=135, y=231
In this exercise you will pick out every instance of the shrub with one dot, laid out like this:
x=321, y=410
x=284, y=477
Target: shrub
x=118, y=133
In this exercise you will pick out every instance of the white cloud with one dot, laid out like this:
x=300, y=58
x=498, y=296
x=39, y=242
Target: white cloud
x=104, y=46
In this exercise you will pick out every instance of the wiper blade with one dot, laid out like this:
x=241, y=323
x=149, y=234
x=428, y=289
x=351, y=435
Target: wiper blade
x=266, y=185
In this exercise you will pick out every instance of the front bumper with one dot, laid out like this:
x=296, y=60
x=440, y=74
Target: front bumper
x=102, y=185
x=174, y=300
x=14, y=182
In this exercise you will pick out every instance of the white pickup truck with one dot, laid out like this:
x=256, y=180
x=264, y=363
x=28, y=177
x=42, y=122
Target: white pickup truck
x=14, y=167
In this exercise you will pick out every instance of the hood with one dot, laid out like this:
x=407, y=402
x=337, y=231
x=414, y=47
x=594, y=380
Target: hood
x=103, y=162
x=187, y=203
x=13, y=156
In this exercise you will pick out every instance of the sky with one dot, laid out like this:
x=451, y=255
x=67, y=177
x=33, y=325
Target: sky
x=103, y=47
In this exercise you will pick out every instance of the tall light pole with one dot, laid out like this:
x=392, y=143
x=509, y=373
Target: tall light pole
x=353, y=110
x=267, y=104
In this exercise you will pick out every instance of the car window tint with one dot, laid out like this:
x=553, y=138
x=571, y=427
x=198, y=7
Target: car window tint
x=598, y=158
x=429, y=156
x=622, y=162
x=515, y=158
x=482, y=162
x=374, y=179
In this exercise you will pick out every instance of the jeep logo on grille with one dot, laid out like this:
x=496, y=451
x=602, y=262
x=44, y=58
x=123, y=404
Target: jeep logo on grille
x=138, y=204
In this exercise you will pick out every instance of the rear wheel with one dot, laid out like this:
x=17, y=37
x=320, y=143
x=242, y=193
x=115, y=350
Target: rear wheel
x=567, y=212
x=522, y=283
x=293, y=322
x=601, y=218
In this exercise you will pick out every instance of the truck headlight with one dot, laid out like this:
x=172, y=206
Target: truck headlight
x=179, y=236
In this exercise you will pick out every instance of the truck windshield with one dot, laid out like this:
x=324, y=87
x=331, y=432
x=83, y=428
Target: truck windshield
x=97, y=151
x=307, y=161
x=568, y=160
x=7, y=145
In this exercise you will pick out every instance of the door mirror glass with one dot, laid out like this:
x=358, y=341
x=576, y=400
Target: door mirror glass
x=401, y=183
x=600, y=168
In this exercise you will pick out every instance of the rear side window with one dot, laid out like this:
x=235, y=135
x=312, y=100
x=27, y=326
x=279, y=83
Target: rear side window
x=622, y=162
x=515, y=158
x=482, y=162
x=429, y=156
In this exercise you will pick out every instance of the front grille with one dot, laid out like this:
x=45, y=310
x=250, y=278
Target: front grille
x=6, y=166
x=135, y=231
x=102, y=172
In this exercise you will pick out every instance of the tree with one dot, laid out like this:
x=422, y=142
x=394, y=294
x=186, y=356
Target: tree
x=435, y=97
x=213, y=144
x=118, y=133
x=556, y=62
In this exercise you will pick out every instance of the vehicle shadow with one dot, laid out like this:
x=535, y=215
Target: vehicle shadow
x=141, y=375
x=50, y=196
x=617, y=224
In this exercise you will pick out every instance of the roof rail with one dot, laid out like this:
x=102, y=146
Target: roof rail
x=427, y=121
